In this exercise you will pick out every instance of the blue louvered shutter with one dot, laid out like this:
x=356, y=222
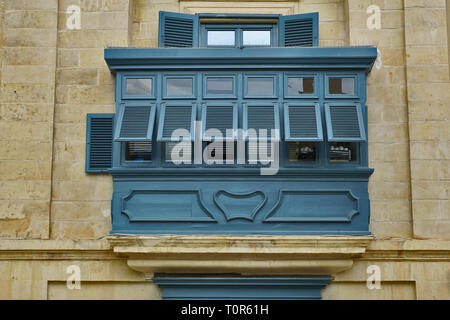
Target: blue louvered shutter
x=178, y=29
x=302, y=122
x=220, y=117
x=99, y=138
x=175, y=117
x=344, y=122
x=261, y=117
x=135, y=122
x=299, y=30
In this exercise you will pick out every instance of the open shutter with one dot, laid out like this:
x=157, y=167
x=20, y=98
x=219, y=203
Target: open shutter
x=176, y=116
x=99, y=138
x=299, y=30
x=135, y=122
x=302, y=122
x=261, y=116
x=344, y=122
x=220, y=116
x=178, y=29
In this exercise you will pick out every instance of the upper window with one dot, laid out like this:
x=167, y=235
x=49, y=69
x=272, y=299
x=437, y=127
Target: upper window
x=238, y=30
x=238, y=35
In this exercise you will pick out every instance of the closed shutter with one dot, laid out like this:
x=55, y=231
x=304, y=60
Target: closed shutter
x=99, y=138
x=173, y=117
x=221, y=117
x=299, y=30
x=178, y=29
x=260, y=116
x=344, y=122
x=302, y=122
x=135, y=122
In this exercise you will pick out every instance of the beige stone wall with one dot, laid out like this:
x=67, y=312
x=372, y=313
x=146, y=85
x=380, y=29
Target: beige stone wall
x=29, y=32
x=50, y=77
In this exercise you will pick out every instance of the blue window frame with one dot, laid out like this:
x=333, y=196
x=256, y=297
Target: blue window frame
x=222, y=116
x=261, y=115
x=135, y=121
x=302, y=122
x=99, y=142
x=220, y=86
x=260, y=86
x=239, y=35
x=348, y=86
x=138, y=86
x=344, y=122
x=176, y=115
x=301, y=85
x=181, y=86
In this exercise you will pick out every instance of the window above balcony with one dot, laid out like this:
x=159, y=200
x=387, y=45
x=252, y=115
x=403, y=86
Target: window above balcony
x=237, y=30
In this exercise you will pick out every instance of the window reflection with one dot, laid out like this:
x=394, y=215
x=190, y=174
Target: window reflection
x=256, y=37
x=179, y=87
x=138, y=151
x=221, y=38
x=137, y=87
x=260, y=86
x=341, y=85
x=219, y=86
x=298, y=86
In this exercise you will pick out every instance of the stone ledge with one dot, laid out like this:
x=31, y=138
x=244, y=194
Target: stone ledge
x=245, y=255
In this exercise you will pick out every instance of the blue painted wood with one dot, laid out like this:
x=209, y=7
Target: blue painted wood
x=241, y=288
x=261, y=115
x=99, y=136
x=178, y=29
x=302, y=122
x=246, y=58
x=344, y=122
x=221, y=116
x=300, y=30
x=135, y=121
x=322, y=198
x=181, y=116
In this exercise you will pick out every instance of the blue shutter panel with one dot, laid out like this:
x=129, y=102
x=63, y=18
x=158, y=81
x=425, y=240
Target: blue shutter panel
x=99, y=138
x=261, y=117
x=299, y=30
x=175, y=117
x=302, y=122
x=178, y=29
x=135, y=122
x=220, y=117
x=344, y=122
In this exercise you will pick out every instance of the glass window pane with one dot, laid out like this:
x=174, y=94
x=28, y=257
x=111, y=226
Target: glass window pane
x=298, y=86
x=221, y=38
x=219, y=85
x=139, y=87
x=256, y=37
x=302, y=151
x=179, y=87
x=341, y=85
x=260, y=86
x=138, y=151
x=179, y=152
x=342, y=151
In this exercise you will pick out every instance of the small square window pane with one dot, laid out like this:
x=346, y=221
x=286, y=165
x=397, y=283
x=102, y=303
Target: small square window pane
x=179, y=152
x=260, y=86
x=219, y=85
x=256, y=37
x=341, y=85
x=342, y=151
x=297, y=86
x=221, y=38
x=302, y=151
x=139, y=87
x=179, y=87
x=138, y=151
